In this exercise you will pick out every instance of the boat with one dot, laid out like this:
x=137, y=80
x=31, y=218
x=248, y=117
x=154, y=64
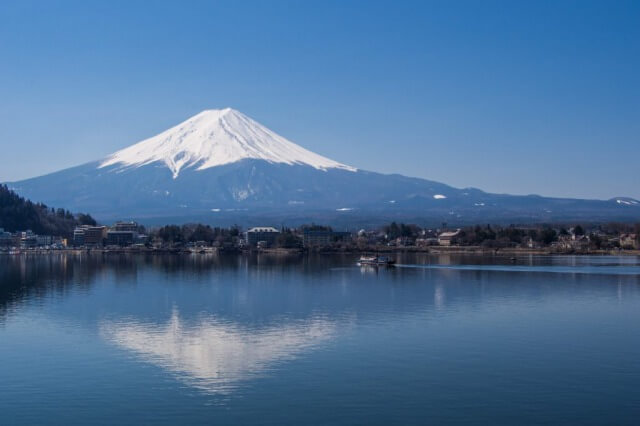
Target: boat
x=376, y=261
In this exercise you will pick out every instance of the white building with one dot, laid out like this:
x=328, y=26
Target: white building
x=258, y=234
x=448, y=238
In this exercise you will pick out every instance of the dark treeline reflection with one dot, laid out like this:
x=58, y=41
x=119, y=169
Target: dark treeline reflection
x=36, y=276
x=267, y=284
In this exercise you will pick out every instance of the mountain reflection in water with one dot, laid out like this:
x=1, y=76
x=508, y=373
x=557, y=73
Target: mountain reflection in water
x=214, y=355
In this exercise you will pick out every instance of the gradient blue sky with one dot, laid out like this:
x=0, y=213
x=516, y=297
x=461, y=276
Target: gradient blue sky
x=518, y=97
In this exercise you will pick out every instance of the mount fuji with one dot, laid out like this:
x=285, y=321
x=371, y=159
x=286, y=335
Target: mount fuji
x=214, y=138
x=220, y=166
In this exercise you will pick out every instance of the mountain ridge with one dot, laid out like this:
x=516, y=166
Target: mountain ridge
x=221, y=165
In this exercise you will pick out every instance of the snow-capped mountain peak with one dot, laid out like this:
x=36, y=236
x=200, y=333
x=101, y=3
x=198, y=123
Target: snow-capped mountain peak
x=213, y=138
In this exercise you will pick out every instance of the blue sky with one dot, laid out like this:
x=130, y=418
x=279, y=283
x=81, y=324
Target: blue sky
x=517, y=97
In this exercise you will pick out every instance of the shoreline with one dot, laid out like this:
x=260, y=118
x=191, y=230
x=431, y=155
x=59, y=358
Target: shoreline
x=467, y=250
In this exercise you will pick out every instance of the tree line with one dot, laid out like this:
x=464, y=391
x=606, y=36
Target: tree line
x=192, y=233
x=512, y=235
x=20, y=214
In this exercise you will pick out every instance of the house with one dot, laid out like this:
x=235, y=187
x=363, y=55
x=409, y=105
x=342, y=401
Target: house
x=405, y=242
x=424, y=242
x=264, y=234
x=581, y=242
x=448, y=238
x=629, y=241
x=572, y=242
x=369, y=237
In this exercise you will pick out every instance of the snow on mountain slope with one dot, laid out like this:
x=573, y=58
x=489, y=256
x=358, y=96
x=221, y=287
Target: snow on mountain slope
x=214, y=138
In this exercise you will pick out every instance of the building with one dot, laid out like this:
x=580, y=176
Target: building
x=16, y=238
x=28, y=239
x=448, y=238
x=120, y=238
x=424, y=242
x=95, y=235
x=125, y=227
x=264, y=234
x=123, y=234
x=78, y=235
x=323, y=238
x=405, y=242
x=44, y=240
x=629, y=241
x=572, y=242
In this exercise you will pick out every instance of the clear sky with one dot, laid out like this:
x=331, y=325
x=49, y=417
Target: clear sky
x=514, y=96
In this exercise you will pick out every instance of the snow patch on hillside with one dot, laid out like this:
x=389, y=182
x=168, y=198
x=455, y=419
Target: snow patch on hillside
x=627, y=202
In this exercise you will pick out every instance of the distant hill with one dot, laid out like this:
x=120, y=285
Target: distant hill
x=19, y=214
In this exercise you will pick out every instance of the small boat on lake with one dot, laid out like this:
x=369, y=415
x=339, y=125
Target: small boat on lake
x=376, y=261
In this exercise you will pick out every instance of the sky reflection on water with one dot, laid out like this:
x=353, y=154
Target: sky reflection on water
x=308, y=340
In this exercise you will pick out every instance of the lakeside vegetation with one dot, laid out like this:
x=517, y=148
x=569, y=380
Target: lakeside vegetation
x=18, y=213
x=556, y=237
x=191, y=233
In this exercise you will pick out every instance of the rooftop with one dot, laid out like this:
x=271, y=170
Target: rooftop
x=263, y=229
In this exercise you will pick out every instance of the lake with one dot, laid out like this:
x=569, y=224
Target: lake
x=267, y=339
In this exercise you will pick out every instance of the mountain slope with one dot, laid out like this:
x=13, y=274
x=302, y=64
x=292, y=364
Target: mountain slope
x=222, y=166
x=215, y=138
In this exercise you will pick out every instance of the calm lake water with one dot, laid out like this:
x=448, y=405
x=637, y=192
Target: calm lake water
x=302, y=340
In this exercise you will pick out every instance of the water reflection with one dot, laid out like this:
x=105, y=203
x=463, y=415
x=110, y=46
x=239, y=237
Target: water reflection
x=148, y=339
x=34, y=278
x=439, y=297
x=605, y=269
x=214, y=355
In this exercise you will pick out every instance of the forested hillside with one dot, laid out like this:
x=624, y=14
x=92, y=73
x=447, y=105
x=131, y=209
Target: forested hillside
x=18, y=214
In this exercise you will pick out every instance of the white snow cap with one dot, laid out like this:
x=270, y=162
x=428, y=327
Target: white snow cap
x=213, y=138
